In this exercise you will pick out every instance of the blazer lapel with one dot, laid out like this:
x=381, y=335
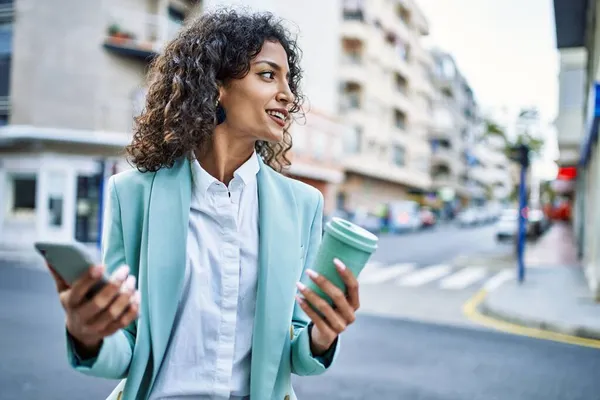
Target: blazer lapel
x=168, y=217
x=279, y=245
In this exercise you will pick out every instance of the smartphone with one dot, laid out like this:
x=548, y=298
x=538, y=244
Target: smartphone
x=70, y=260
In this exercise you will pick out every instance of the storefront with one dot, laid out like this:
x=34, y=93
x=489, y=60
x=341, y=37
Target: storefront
x=54, y=189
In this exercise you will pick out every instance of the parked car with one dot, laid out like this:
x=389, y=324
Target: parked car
x=371, y=222
x=404, y=216
x=537, y=223
x=428, y=218
x=468, y=217
x=507, y=224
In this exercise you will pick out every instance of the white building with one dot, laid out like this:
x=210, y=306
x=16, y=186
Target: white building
x=493, y=167
x=386, y=96
x=71, y=83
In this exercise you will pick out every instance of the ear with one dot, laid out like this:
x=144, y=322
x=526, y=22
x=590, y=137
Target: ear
x=222, y=91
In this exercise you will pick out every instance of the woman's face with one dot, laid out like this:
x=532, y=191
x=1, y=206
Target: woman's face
x=257, y=105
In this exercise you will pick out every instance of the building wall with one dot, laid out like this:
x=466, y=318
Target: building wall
x=383, y=39
x=320, y=52
x=369, y=194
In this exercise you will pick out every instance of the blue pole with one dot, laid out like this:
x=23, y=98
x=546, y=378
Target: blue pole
x=522, y=224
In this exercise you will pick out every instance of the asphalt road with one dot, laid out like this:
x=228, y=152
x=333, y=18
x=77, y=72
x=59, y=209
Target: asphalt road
x=439, y=245
x=379, y=359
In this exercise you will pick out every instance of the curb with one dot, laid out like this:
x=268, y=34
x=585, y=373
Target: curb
x=577, y=331
x=474, y=311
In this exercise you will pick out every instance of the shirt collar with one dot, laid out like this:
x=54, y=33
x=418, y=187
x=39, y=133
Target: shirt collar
x=202, y=180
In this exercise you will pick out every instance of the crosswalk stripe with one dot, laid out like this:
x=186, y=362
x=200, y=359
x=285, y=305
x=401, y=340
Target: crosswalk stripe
x=463, y=278
x=497, y=280
x=380, y=275
x=424, y=275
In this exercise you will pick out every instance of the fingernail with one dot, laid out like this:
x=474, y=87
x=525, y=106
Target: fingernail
x=137, y=298
x=339, y=264
x=97, y=271
x=129, y=285
x=311, y=273
x=121, y=273
x=301, y=286
x=300, y=300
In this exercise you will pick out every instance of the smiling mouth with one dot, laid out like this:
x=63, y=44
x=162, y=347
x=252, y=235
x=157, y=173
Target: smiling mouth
x=277, y=116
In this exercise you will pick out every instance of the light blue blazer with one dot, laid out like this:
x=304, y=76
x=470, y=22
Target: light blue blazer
x=146, y=228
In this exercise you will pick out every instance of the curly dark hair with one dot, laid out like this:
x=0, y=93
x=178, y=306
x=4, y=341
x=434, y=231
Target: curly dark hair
x=180, y=110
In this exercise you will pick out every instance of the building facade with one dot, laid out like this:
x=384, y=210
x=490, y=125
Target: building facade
x=69, y=92
x=316, y=154
x=578, y=40
x=385, y=98
x=456, y=131
x=73, y=89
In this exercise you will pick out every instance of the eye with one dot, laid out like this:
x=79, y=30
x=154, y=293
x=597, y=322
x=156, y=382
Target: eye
x=268, y=74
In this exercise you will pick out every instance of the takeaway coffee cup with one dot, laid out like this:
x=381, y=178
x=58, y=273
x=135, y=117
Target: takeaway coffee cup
x=346, y=241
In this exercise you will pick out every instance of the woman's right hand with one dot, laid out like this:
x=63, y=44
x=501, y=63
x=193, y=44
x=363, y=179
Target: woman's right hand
x=90, y=320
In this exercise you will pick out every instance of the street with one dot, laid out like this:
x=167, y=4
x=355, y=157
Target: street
x=381, y=358
x=438, y=245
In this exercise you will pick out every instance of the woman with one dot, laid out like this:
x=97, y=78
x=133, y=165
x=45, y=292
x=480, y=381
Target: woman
x=216, y=239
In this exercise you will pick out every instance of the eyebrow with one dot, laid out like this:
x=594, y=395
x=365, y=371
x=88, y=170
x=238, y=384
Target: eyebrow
x=273, y=65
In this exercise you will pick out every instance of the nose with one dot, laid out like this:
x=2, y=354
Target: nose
x=285, y=95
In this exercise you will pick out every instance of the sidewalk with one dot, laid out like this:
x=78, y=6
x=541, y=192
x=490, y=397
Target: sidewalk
x=28, y=257
x=554, y=296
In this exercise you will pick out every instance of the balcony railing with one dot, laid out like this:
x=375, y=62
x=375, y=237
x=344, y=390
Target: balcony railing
x=138, y=34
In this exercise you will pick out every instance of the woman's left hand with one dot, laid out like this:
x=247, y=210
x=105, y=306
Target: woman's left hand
x=337, y=318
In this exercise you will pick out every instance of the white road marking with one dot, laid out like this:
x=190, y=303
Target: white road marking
x=380, y=275
x=424, y=275
x=463, y=278
x=499, y=279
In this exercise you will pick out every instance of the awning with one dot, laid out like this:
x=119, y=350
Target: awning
x=570, y=18
x=11, y=134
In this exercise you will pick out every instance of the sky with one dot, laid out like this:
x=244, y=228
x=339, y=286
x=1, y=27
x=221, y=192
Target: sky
x=506, y=49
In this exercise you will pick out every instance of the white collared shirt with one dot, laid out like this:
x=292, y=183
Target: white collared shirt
x=208, y=356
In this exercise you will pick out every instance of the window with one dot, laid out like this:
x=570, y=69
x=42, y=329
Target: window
x=403, y=14
x=399, y=156
x=175, y=21
x=57, y=182
x=352, y=51
x=353, y=10
x=351, y=96
x=402, y=50
x=23, y=194
x=401, y=83
x=399, y=119
x=352, y=140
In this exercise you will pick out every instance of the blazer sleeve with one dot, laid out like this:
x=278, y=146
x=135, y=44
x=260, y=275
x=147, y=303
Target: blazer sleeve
x=303, y=361
x=116, y=351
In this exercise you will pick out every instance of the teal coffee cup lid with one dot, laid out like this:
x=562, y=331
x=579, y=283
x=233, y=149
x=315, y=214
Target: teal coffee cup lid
x=352, y=234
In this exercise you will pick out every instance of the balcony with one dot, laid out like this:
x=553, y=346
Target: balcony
x=140, y=35
x=353, y=72
x=444, y=156
x=352, y=68
x=444, y=179
x=354, y=29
